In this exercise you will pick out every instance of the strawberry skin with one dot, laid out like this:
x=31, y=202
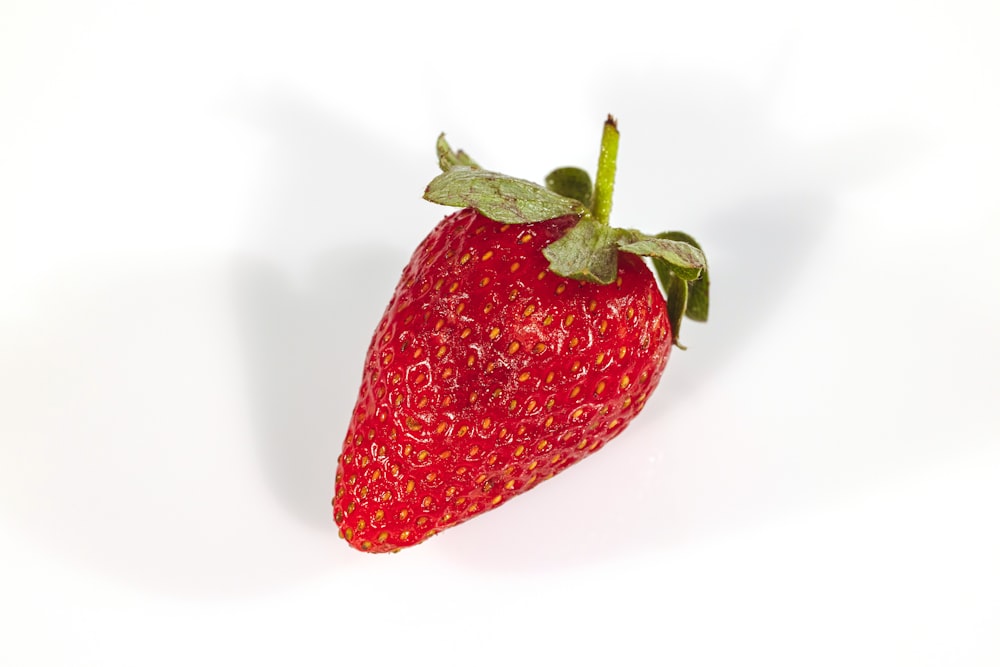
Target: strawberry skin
x=488, y=374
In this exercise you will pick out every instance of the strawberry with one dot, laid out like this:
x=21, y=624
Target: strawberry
x=524, y=334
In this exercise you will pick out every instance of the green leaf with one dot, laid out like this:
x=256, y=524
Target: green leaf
x=448, y=158
x=677, y=303
x=697, y=307
x=685, y=260
x=571, y=182
x=501, y=198
x=586, y=252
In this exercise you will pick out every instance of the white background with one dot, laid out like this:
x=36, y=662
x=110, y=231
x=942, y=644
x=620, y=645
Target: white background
x=204, y=207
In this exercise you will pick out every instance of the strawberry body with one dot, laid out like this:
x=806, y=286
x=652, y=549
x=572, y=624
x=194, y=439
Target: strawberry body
x=488, y=374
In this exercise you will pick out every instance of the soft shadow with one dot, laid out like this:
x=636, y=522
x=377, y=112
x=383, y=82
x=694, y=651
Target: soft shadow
x=310, y=295
x=304, y=352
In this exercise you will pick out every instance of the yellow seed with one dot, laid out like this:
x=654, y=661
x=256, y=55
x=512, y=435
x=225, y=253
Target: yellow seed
x=465, y=258
x=497, y=499
x=525, y=238
x=439, y=283
x=513, y=347
x=600, y=387
x=510, y=485
x=568, y=321
x=473, y=507
x=519, y=450
x=417, y=352
x=410, y=485
x=422, y=456
x=614, y=422
x=379, y=515
x=485, y=281
x=460, y=308
x=515, y=266
x=465, y=332
x=441, y=427
x=454, y=286
x=539, y=348
x=486, y=423
x=541, y=275
x=450, y=492
x=426, y=502
x=575, y=367
x=445, y=454
x=574, y=342
x=548, y=422
x=376, y=475
x=532, y=465
x=529, y=310
x=531, y=405
x=404, y=513
x=600, y=358
x=473, y=450
x=550, y=377
x=494, y=333
x=543, y=444
x=592, y=306
x=471, y=360
x=405, y=535
x=574, y=392
x=579, y=411
x=487, y=254
x=603, y=326
x=385, y=496
x=583, y=443
x=462, y=430
x=487, y=308
x=422, y=520
x=349, y=533
x=624, y=382
x=439, y=324
x=523, y=376
x=383, y=536
x=561, y=288
x=441, y=351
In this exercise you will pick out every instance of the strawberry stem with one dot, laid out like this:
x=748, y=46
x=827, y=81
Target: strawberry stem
x=606, y=164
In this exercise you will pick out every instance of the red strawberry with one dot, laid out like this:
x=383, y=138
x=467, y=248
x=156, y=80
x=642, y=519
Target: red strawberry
x=523, y=335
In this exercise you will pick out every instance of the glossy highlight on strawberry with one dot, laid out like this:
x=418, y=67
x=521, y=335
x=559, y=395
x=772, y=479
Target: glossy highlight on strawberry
x=524, y=334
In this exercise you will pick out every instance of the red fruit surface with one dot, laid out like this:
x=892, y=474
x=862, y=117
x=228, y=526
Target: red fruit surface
x=488, y=374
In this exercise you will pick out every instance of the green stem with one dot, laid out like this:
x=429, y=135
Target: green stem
x=606, y=164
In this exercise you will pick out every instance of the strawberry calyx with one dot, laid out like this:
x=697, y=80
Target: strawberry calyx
x=588, y=251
